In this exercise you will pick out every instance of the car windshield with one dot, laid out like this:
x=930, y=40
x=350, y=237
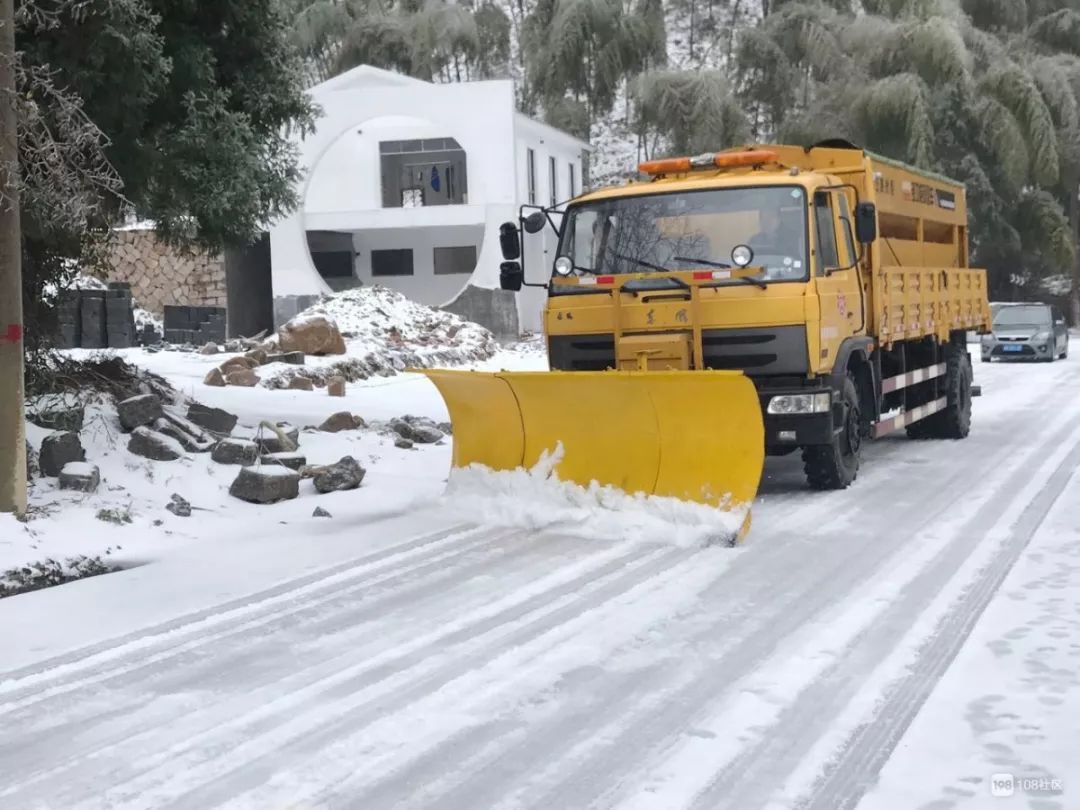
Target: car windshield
x=1022, y=316
x=688, y=230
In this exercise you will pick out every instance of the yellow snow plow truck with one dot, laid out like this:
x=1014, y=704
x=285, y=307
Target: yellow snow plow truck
x=755, y=301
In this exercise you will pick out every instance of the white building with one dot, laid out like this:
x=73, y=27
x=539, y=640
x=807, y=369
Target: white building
x=406, y=184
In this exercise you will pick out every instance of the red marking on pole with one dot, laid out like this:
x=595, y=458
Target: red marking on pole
x=13, y=334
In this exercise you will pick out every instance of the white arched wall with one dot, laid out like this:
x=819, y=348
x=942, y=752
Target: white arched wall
x=342, y=186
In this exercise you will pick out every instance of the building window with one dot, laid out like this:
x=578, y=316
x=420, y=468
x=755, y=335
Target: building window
x=573, y=182
x=424, y=172
x=453, y=260
x=553, y=180
x=530, y=168
x=392, y=262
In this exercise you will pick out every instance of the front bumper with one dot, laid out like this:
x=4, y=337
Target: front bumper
x=1027, y=350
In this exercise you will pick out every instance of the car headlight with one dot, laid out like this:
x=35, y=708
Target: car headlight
x=1042, y=337
x=793, y=404
x=987, y=340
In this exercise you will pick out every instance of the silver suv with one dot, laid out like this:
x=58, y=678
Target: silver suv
x=1029, y=331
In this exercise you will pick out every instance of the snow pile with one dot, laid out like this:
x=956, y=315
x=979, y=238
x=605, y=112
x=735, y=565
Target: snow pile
x=387, y=333
x=537, y=499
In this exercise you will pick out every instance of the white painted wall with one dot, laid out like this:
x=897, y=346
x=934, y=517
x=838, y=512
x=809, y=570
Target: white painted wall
x=343, y=186
x=423, y=285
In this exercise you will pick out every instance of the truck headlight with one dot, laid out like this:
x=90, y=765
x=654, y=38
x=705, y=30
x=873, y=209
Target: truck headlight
x=793, y=404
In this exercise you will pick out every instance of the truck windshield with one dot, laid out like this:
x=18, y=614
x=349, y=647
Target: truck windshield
x=1033, y=316
x=687, y=230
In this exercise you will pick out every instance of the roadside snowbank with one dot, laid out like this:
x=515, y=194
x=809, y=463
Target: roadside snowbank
x=537, y=499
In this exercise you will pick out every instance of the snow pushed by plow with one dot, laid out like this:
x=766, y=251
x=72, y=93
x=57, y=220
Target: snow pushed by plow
x=537, y=500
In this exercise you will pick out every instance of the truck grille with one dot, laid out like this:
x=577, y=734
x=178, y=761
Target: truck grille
x=758, y=351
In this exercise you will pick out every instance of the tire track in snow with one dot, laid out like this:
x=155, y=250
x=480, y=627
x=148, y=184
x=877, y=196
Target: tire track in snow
x=99, y=734
x=318, y=712
x=585, y=774
x=568, y=733
x=65, y=669
x=750, y=779
x=847, y=778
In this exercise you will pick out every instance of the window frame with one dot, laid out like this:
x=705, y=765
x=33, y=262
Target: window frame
x=435, y=262
x=821, y=262
x=412, y=263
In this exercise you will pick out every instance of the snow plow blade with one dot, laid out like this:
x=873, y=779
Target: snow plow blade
x=692, y=435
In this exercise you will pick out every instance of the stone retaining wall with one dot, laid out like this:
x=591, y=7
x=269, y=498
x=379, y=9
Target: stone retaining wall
x=161, y=275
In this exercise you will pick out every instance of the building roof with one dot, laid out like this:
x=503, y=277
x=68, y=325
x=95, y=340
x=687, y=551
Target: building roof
x=367, y=76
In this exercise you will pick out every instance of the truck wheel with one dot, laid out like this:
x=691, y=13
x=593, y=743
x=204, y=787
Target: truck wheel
x=955, y=421
x=836, y=465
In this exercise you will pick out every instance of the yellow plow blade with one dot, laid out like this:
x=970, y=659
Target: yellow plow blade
x=693, y=435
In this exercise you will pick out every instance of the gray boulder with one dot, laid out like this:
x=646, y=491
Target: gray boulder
x=417, y=429
x=320, y=512
x=346, y=474
x=213, y=419
x=235, y=451
x=134, y=412
x=191, y=437
x=403, y=443
x=58, y=449
x=294, y=461
x=342, y=420
x=153, y=445
x=265, y=484
x=80, y=476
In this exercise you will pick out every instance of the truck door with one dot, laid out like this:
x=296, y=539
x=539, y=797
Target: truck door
x=835, y=276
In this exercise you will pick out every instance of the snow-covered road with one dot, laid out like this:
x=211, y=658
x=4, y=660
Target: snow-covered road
x=464, y=666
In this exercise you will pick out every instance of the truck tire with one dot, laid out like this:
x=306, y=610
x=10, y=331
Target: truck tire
x=836, y=465
x=954, y=422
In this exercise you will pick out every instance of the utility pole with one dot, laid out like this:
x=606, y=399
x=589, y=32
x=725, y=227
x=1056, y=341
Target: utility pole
x=12, y=430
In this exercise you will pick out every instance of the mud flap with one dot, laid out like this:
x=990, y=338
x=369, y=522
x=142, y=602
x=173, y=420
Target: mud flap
x=693, y=435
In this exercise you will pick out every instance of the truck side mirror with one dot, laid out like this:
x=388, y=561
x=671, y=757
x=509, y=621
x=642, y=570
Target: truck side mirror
x=535, y=222
x=865, y=223
x=511, y=276
x=509, y=241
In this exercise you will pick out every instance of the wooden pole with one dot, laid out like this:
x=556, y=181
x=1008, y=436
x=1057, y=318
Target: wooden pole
x=12, y=430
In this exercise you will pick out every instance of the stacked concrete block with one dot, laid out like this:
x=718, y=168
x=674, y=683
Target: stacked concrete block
x=92, y=332
x=69, y=318
x=96, y=319
x=194, y=325
x=119, y=316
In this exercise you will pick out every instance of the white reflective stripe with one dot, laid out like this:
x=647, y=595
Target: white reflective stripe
x=586, y=281
x=721, y=274
x=912, y=377
x=907, y=417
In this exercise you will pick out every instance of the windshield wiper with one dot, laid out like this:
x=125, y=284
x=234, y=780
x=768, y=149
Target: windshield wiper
x=705, y=262
x=641, y=262
x=746, y=279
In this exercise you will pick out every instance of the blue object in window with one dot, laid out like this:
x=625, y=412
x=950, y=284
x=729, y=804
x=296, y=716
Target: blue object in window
x=435, y=178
